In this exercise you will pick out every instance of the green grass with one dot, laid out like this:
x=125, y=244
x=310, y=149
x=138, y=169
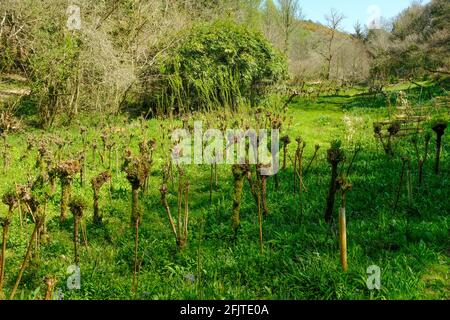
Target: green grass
x=8, y=84
x=300, y=261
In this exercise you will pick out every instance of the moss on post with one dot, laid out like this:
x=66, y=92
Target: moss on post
x=286, y=141
x=50, y=283
x=136, y=171
x=77, y=206
x=97, y=182
x=66, y=171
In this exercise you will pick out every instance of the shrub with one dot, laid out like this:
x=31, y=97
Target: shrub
x=214, y=65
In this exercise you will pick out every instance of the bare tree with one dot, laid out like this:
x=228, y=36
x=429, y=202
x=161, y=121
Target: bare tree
x=290, y=16
x=270, y=27
x=334, y=21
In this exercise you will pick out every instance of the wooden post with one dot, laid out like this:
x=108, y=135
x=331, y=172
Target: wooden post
x=345, y=186
x=343, y=238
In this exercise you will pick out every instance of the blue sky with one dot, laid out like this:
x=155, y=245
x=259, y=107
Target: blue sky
x=362, y=10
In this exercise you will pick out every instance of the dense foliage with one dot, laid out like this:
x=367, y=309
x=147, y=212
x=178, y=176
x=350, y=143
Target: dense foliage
x=416, y=45
x=217, y=65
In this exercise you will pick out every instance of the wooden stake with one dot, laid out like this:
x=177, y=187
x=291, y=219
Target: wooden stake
x=343, y=238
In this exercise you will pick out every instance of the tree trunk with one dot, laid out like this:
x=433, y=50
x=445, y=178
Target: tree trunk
x=135, y=204
x=239, y=176
x=97, y=216
x=25, y=260
x=3, y=256
x=76, y=240
x=331, y=194
x=65, y=198
x=264, y=195
x=438, y=153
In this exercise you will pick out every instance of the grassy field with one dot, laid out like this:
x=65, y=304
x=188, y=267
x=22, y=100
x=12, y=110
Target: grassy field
x=301, y=256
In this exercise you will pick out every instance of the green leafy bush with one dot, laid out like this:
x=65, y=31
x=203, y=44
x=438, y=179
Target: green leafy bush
x=215, y=65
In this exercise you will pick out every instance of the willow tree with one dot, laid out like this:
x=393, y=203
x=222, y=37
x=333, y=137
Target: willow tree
x=213, y=65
